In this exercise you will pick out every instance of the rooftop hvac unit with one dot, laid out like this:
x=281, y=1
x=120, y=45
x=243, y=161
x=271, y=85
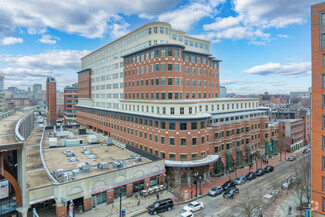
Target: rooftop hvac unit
x=58, y=172
x=82, y=131
x=117, y=164
x=53, y=142
x=92, y=157
x=91, y=139
x=83, y=149
x=138, y=159
x=88, y=152
x=70, y=154
x=103, y=165
x=84, y=166
x=73, y=159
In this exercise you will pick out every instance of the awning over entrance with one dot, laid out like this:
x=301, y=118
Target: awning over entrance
x=195, y=163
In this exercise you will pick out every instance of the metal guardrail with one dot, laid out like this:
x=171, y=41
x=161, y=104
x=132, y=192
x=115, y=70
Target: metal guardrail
x=19, y=137
x=55, y=182
x=7, y=113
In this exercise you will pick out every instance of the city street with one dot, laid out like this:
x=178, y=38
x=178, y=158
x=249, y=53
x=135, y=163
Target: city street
x=218, y=206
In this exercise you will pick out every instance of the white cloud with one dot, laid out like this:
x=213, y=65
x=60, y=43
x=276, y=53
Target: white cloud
x=238, y=32
x=283, y=36
x=290, y=70
x=48, y=39
x=90, y=19
x=186, y=16
x=119, y=30
x=257, y=42
x=25, y=70
x=10, y=41
x=51, y=60
x=223, y=23
x=236, y=82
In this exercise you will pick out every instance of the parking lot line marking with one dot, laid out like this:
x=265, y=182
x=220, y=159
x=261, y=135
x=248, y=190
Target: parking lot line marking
x=267, y=184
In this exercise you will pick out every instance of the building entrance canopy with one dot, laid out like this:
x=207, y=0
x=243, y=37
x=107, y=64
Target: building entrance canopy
x=195, y=163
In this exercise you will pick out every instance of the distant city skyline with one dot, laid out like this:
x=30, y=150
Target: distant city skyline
x=259, y=51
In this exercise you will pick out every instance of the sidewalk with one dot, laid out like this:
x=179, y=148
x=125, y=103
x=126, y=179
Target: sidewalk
x=130, y=205
x=241, y=172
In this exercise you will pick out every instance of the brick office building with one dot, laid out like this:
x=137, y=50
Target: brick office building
x=70, y=100
x=51, y=100
x=158, y=90
x=318, y=117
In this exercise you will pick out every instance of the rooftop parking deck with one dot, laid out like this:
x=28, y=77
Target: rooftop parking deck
x=7, y=128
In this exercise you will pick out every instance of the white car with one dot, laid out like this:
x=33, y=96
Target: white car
x=186, y=214
x=193, y=206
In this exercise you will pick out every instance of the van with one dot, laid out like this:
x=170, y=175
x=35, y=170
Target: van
x=161, y=206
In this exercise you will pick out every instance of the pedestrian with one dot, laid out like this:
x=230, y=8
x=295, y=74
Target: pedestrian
x=289, y=210
x=138, y=202
x=157, y=196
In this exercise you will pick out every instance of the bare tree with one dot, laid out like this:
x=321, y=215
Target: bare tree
x=249, y=205
x=282, y=148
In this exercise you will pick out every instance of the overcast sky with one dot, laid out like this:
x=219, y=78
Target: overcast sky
x=264, y=44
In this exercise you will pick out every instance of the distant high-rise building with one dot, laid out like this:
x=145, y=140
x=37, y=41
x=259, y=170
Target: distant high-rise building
x=318, y=108
x=2, y=87
x=37, y=87
x=223, y=92
x=51, y=100
x=70, y=100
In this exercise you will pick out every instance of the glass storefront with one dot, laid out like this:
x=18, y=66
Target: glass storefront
x=138, y=186
x=99, y=198
x=121, y=189
x=154, y=181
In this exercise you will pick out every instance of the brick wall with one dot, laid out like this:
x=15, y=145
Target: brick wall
x=87, y=203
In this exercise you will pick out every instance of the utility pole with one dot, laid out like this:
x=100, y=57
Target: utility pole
x=196, y=175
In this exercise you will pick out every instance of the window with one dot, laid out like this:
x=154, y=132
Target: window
x=181, y=110
x=162, y=54
x=194, y=126
x=183, y=126
x=171, y=156
x=323, y=161
x=202, y=140
x=194, y=156
x=171, y=141
x=170, y=81
x=172, y=110
x=163, y=81
x=170, y=66
x=323, y=121
x=162, y=125
x=162, y=140
x=322, y=45
x=323, y=183
x=323, y=81
x=323, y=19
x=187, y=57
x=193, y=141
x=183, y=141
x=323, y=142
x=176, y=81
x=162, y=67
x=216, y=135
x=171, y=126
x=170, y=52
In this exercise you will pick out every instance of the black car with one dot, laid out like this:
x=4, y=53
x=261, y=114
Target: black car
x=216, y=190
x=260, y=172
x=269, y=169
x=228, y=185
x=161, y=206
x=230, y=193
x=250, y=176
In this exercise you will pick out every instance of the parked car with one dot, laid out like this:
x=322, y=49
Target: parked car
x=186, y=214
x=193, y=206
x=161, y=206
x=269, y=169
x=240, y=180
x=230, y=193
x=291, y=158
x=216, y=190
x=306, y=151
x=228, y=185
x=286, y=185
x=293, y=180
x=260, y=172
x=250, y=176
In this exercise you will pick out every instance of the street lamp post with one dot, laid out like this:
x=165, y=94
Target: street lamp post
x=196, y=176
x=200, y=178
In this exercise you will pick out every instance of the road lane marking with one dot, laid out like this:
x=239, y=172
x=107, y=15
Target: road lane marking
x=267, y=184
